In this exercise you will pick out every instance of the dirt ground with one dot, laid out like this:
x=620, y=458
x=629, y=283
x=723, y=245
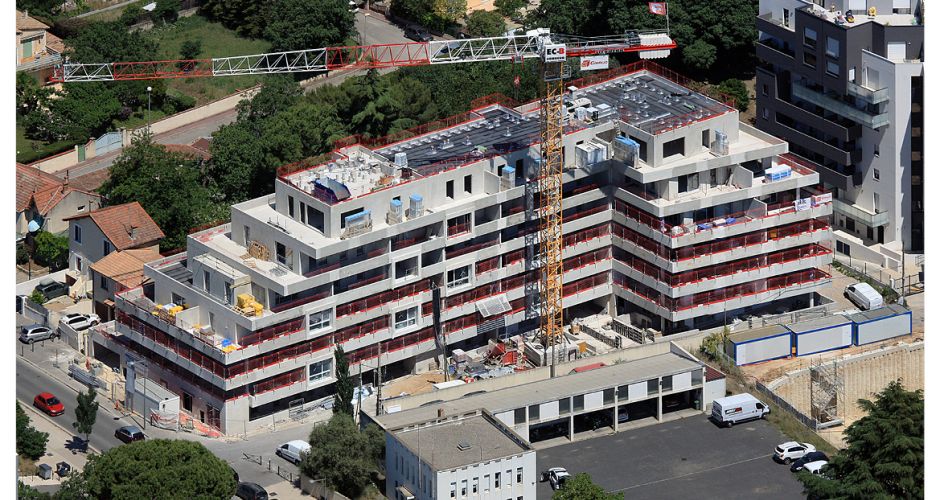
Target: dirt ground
x=413, y=384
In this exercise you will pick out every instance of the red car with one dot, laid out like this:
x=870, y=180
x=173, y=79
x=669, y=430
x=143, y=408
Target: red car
x=49, y=404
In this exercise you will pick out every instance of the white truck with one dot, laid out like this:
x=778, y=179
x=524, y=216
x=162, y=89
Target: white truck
x=731, y=410
x=864, y=296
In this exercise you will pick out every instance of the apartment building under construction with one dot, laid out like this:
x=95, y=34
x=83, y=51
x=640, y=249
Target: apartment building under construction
x=675, y=214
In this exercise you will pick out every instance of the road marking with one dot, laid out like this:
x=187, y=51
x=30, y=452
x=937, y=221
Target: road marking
x=690, y=474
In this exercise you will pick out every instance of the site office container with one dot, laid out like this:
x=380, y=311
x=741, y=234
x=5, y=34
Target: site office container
x=760, y=344
x=821, y=335
x=882, y=324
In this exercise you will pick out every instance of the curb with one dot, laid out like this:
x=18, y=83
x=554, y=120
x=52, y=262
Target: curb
x=60, y=426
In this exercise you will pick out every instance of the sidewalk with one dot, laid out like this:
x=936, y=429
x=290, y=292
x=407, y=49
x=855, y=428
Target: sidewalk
x=62, y=446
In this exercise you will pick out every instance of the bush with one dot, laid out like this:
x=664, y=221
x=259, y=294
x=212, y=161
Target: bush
x=37, y=297
x=52, y=251
x=736, y=89
x=22, y=254
x=132, y=13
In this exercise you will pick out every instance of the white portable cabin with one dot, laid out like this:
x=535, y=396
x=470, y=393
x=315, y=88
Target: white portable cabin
x=759, y=344
x=823, y=334
x=882, y=324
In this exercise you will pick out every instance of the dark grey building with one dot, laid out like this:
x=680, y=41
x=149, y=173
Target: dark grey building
x=844, y=86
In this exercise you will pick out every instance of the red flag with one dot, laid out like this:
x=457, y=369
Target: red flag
x=515, y=81
x=658, y=8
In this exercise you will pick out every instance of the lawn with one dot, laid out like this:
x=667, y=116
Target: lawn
x=217, y=41
x=28, y=150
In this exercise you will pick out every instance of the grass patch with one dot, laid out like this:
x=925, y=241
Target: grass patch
x=139, y=118
x=26, y=467
x=108, y=15
x=217, y=41
x=890, y=295
x=29, y=150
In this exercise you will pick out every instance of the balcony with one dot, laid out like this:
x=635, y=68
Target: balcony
x=774, y=26
x=770, y=52
x=868, y=95
x=873, y=121
x=870, y=219
x=820, y=146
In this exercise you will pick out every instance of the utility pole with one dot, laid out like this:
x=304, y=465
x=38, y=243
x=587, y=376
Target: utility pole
x=359, y=404
x=378, y=387
x=901, y=298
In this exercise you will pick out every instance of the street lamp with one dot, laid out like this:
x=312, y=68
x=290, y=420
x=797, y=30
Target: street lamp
x=143, y=410
x=149, y=90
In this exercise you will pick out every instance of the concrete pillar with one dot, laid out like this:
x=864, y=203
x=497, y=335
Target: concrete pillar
x=812, y=299
x=616, y=412
x=571, y=427
x=659, y=407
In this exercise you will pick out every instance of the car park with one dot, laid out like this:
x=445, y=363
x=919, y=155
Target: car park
x=293, y=451
x=251, y=491
x=129, y=434
x=79, y=322
x=49, y=404
x=556, y=477
x=731, y=410
x=50, y=289
x=791, y=450
x=813, y=456
x=36, y=333
x=418, y=35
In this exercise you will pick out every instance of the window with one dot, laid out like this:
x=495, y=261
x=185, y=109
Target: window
x=667, y=383
x=850, y=224
x=290, y=206
x=674, y=147
x=496, y=480
x=871, y=233
x=533, y=413
x=228, y=292
x=476, y=485
x=509, y=477
x=763, y=89
x=519, y=475
x=343, y=218
x=468, y=183
x=247, y=235
x=176, y=299
x=706, y=138
x=450, y=189
x=765, y=113
x=579, y=402
x=877, y=174
x=652, y=386
x=519, y=416
x=103, y=283
x=486, y=483
x=319, y=320
x=832, y=47
x=106, y=247
x=453, y=490
x=283, y=255
x=321, y=369
x=463, y=488
x=832, y=68
x=608, y=396
x=697, y=377
x=809, y=59
x=315, y=218
x=206, y=282
x=564, y=406
x=458, y=277
x=406, y=318
x=809, y=37
x=78, y=234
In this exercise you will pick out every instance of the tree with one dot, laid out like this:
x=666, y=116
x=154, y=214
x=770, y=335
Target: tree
x=37, y=297
x=294, y=25
x=27, y=492
x=343, y=456
x=736, y=89
x=509, y=8
x=30, y=97
x=132, y=13
x=342, y=402
x=246, y=17
x=167, y=10
x=714, y=344
x=485, y=23
x=86, y=412
x=278, y=93
x=30, y=442
x=699, y=55
x=40, y=8
x=450, y=10
x=884, y=456
x=158, y=468
x=580, y=487
x=51, y=251
x=168, y=185
x=190, y=49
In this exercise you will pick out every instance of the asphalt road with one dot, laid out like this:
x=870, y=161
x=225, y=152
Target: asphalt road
x=688, y=458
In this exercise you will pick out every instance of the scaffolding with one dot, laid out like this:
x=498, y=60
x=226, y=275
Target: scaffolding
x=826, y=391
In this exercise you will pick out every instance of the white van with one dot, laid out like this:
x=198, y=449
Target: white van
x=738, y=408
x=292, y=450
x=864, y=296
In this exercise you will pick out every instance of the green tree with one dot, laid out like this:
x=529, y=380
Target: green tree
x=714, y=344
x=27, y=492
x=168, y=185
x=294, y=25
x=699, y=55
x=344, y=457
x=412, y=9
x=485, y=23
x=30, y=97
x=40, y=8
x=190, y=49
x=736, y=89
x=37, y=297
x=246, y=17
x=132, y=14
x=278, y=93
x=167, y=10
x=86, y=412
x=83, y=111
x=30, y=442
x=884, y=456
x=342, y=402
x=509, y=8
x=450, y=10
x=158, y=468
x=51, y=250
x=580, y=487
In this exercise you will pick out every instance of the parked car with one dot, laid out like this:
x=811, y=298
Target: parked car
x=864, y=296
x=731, y=410
x=50, y=289
x=293, y=451
x=623, y=415
x=48, y=403
x=817, y=468
x=418, y=35
x=556, y=477
x=813, y=456
x=251, y=491
x=791, y=450
x=129, y=434
x=80, y=322
x=36, y=333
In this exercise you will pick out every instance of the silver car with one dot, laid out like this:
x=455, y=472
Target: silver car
x=36, y=333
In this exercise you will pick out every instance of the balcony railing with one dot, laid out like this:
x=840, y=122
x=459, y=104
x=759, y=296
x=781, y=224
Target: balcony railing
x=869, y=95
x=870, y=219
x=867, y=118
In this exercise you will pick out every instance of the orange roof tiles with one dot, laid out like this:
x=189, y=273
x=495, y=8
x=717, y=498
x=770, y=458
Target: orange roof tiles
x=126, y=267
x=125, y=226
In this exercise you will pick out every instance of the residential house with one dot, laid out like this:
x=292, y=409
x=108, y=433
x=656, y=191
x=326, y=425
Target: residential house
x=116, y=272
x=48, y=200
x=37, y=50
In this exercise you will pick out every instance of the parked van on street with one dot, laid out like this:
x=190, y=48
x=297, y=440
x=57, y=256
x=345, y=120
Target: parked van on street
x=292, y=450
x=864, y=296
x=731, y=410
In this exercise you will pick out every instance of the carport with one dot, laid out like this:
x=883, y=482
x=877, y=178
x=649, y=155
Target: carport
x=544, y=431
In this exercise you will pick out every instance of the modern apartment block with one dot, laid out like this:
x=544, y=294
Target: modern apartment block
x=843, y=83
x=675, y=214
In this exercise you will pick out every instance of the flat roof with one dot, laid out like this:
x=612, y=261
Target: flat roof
x=548, y=390
x=819, y=323
x=457, y=443
x=758, y=333
x=881, y=312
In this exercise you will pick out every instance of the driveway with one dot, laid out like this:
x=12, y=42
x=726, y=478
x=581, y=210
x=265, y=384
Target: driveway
x=687, y=458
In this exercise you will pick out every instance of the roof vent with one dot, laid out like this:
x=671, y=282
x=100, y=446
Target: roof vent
x=464, y=446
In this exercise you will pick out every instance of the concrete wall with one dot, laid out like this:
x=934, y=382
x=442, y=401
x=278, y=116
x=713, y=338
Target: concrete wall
x=90, y=250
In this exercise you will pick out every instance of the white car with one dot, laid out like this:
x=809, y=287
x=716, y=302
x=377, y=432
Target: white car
x=816, y=467
x=80, y=322
x=556, y=477
x=791, y=450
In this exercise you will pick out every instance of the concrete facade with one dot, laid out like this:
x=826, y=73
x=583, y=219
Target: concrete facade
x=849, y=97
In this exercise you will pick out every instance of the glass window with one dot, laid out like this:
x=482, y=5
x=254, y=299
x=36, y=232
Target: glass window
x=509, y=477
x=107, y=247
x=832, y=47
x=519, y=416
x=103, y=282
x=667, y=383
x=809, y=37
x=206, y=281
x=78, y=233
x=458, y=277
x=652, y=386
x=228, y=292
x=809, y=59
x=832, y=68
x=564, y=406
x=623, y=392
x=290, y=206
x=463, y=488
x=496, y=480
x=608, y=396
x=579, y=402
x=320, y=320
x=486, y=483
x=533, y=413
x=519, y=475
x=468, y=183
x=697, y=377
x=877, y=174
x=406, y=318
x=476, y=485
x=321, y=369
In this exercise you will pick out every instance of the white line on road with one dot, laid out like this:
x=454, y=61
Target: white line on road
x=690, y=473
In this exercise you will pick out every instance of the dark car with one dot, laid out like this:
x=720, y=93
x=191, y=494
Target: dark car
x=418, y=35
x=51, y=289
x=805, y=459
x=251, y=491
x=129, y=434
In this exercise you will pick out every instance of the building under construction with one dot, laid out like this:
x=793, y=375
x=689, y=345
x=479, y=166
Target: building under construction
x=676, y=216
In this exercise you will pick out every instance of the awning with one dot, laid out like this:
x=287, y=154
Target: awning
x=407, y=495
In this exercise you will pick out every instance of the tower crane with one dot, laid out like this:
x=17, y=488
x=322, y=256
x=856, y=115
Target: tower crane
x=550, y=49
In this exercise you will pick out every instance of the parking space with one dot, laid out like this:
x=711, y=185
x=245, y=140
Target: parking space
x=685, y=458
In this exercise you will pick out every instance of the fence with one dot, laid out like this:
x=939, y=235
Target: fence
x=811, y=423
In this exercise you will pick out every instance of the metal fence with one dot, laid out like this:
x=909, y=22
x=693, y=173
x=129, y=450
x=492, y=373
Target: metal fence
x=811, y=423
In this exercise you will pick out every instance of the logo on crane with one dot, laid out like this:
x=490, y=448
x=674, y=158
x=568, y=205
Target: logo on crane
x=553, y=53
